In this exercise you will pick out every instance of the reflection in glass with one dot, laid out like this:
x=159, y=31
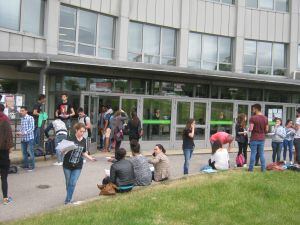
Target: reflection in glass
x=183, y=112
x=251, y=3
x=200, y=113
x=33, y=16
x=106, y=37
x=195, y=47
x=183, y=89
x=266, y=4
x=209, y=48
x=151, y=41
x=221, y=117
x=255, y=94
x=74, y=83
x=264, y=54
x=138, y=86
x=279, y=56
x=282, y=5
x=250, y=53
x=224, y=50
x=135, y=38
x=10, y=14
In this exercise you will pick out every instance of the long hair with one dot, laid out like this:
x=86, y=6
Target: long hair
x=215, y=146
x=6, y=137
x=188, y=126
x=134, y=118
x=161, y=148
x=241, y=120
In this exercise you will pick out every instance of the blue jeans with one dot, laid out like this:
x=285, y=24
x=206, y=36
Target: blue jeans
x=257, y=146
x=27, y=148
x=37, y=131
x=187, y=157
x=277, y=148
x=288, y=145
x=71, y=177
x=58, y=139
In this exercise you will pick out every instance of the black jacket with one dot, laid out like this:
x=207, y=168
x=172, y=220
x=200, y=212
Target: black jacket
x=122, y=173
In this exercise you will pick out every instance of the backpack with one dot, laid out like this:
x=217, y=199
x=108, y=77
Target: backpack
x=119, y=135
x=240, y=160
x=88, y=129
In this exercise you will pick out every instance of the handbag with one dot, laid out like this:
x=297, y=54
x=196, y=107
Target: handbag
x=107, y=189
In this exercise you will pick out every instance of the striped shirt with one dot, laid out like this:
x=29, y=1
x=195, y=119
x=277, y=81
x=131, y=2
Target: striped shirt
x=27, y=128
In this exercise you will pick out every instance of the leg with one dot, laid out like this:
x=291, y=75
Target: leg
x=67, y=174
x=211, y=164
x=279, y=150
x=257, y=158
x=58, y=139
x=245, y=146
x=290, y=146
x=274, y=150
x=253, y=147
x=118, y=144
x=24, y=146
x=187, y=156
x=262, y=155
x=240, y=148
x=4, y=174
x=285, y=146
x=74, y=175
x=31, y=153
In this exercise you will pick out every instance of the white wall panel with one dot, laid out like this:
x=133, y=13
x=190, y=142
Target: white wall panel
x=271, y=26
x=263, y=25
x=39, y=45
x=225, y=11
x=176, y=13
x=96, y=5
x=217, y=18
x=85, y=4
x=286, y=27
x=255, y=24
x=168, y=13
x=105, y=6
x=232, y=21
x=160, y=11
x=193, y=14
x=115, y=7
x=151, y=8
x=133, y=9
x=142, y=10
x=248, y=23
x=209, y=17
x=65, y=1
x=279, y=27
x=15, y=43
x=4, y=41
x=201, y=16
x=28, y=44
x=75, y=2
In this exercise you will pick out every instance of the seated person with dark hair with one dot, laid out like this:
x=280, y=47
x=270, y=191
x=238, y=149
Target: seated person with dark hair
x=121, y=173
x=219, y=159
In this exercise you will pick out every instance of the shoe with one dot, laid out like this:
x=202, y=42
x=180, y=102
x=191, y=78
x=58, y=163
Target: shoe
x=291, y=162
x=77, y=203
x=284, y=162
x=30, y=170
x=84, y=161
x=57, y=164
x=7, y=200
x=245, y=165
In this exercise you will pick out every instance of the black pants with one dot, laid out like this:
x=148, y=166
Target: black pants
x=118, y=144
x=297, y=149
x=243, y=149
x=211, y=164
x=4, y=174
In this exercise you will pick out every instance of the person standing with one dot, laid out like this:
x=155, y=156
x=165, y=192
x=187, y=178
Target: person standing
x=288, y=141
x=117, y=128
x=101, y=126
x=37, y=110
x=277, y=139
x=135, y=130
x=188, y=143
x=61, y=133
x=6, y=144
x=258, y=128
x=84, y=119
x=108, y=117
x=223, y=137
x=65, y=110
x=241, y=135
x=27, y=138
x=297, y=138
x=73, y=161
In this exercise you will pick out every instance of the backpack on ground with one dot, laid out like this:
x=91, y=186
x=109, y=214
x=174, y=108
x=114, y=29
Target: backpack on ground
x=240, y=160
x=38, y=152
x=13, y=169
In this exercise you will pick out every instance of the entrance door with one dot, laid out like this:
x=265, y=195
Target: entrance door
x=221, y=117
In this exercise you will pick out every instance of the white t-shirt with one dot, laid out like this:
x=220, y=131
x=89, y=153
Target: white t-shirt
x=87, y=120
x=221, y=159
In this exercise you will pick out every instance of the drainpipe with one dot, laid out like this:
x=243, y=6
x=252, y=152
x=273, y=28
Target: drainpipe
x=43, y=74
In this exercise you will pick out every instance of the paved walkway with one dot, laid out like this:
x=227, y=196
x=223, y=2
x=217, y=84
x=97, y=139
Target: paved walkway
x=29, y=199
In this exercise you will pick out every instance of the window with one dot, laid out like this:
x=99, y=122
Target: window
x=298, y=56
x=79, y=29
x=277, y=5
x=151, y=44
x=209, y=52
x=264, y=58
x=224, y=1
x=23, y=16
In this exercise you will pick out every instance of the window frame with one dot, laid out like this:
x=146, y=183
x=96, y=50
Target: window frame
x=77, y=43
x=20, y=29
x=160, y=56
x=273, y=8
x=221, y=2
x=256, y=66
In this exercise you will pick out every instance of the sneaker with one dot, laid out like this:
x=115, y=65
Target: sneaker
x=30, y=170
x=245, y=165
x=57, y=164
x=7, y=200
x=77, y=203
x=284, y=162
x=291, y=162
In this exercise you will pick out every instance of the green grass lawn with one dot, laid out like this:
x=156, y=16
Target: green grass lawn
x=235, y=197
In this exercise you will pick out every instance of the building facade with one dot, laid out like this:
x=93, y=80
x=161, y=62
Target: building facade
x=169, y=60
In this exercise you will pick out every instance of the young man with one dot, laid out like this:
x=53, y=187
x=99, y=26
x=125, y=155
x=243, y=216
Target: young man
x=61, y=133
x=223, y=137
x=297, y=138
x=101, y=126
x=3, y=117
x=65, y=110
x=37, y=109
x=258, y=128
x=27, y=138
x=108, y=116
x=83, y=118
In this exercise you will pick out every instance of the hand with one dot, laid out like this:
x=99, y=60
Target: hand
x=93, y=159
x=19, y=133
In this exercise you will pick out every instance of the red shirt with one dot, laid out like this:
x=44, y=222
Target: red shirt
x=223, y=137
x=4, y=117
x=259, y=129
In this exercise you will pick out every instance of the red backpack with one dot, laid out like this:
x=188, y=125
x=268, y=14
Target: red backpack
x=240, y=160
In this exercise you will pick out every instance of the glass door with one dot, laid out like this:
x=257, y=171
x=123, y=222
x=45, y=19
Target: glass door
x=290, y=114
x=183, y=113
x=221, y=117
x=93, y=114
x=200, y=115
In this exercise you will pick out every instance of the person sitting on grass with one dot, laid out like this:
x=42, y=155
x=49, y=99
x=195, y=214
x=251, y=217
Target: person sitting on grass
x=220, y=158
x=161, y=164
x=121, y=172
x=140, y=163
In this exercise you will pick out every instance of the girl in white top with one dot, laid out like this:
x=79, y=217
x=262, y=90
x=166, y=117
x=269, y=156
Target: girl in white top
x=220, y=157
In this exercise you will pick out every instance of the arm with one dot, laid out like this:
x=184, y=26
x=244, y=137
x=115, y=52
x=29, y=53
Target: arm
x=154, y=160
x=56, y=112
x=251, y=126
x=35, y=112
x=192, y=134
x=88, y=123
x=267, y=128
x=86, y=155
x=113, y=176
x=50, y=126
x=72, y=112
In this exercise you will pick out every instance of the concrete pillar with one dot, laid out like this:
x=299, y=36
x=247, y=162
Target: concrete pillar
x=122, y=27
x=183, y=35
x=42, y=83
x=51, y=26
x=238, y=45
x=292, y=52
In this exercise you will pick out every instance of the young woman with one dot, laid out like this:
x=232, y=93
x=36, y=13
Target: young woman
x=6, y=144
x=288, y=141
x=277, y=139
x=161, y=164
x=135, y=130
x=241, y=135
x=119, y=118
x=73, y=161
x=188, y=143
x=220, y=158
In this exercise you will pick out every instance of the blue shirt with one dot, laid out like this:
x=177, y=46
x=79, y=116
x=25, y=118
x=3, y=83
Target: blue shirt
x=27, y=128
